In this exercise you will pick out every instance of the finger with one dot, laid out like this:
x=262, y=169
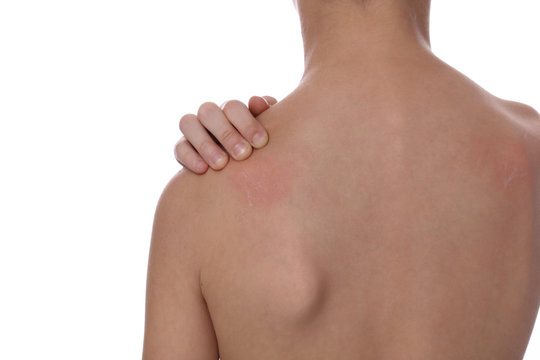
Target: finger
x=189, y=135
x=186, y=155
x=257, y=105
x=213, y=118
x=250, y=128
x=197, y=135
x=270, y=100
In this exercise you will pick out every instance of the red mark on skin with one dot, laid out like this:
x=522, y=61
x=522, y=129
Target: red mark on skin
x=264, y=181
x=505, y=161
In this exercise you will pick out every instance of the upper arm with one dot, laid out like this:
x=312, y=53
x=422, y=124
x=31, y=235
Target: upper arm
x=177, y=324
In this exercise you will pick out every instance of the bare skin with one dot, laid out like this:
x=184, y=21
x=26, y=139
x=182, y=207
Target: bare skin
x=394, y=214
x=416, y=237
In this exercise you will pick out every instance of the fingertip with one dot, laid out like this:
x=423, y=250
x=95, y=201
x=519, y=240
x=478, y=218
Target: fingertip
x=270, y=100
x=260, y=139
x=219, y=165
x=203, y=171
x=253, y=98
x=200, y=167
x=245, y=154
x=256, y=101
x=257, y=105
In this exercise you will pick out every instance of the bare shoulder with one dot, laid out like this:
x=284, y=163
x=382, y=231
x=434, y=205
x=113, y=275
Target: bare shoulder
x=528, y=119
x=522, y=112
x=183, y=187
x=184, y=217
x=196, y=205
x=177, y=321
x=522, y=109
x=180, y=208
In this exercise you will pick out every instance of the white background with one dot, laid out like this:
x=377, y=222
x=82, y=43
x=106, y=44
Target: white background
x=90, y=97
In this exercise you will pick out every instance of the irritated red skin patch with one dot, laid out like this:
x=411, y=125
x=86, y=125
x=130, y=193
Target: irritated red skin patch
x=264, y=181
x=505, y=161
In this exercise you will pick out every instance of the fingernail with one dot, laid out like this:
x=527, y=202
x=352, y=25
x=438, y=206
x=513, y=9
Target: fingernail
x=217, y=158
x=260, y=139
x=239, y=149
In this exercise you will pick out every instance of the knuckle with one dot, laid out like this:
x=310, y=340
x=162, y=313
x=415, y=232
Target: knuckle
x=187, y=120
x=229, y=136
x=235, y=109
x=182, y=146
x=233, y=105
x=208, y=148
x=180, y=142
x=206, y=109
x=181, y=151
x=192, y=160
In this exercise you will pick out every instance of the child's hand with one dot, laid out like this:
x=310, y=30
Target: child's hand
x=214, y=129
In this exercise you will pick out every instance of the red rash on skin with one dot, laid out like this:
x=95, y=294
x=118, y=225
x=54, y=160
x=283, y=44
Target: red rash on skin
x=264, y=181
x=268, y=180
x=506, y=162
